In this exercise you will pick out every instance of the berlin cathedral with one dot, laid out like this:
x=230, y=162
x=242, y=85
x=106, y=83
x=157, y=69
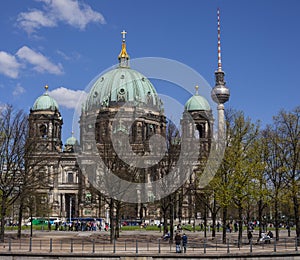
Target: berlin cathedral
x=122, y=104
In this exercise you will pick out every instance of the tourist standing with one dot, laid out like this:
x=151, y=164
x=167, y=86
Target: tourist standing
x=184, y=242
x=178, y=242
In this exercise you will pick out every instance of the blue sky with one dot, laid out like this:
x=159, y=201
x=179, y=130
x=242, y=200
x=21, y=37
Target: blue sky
x=65, y=44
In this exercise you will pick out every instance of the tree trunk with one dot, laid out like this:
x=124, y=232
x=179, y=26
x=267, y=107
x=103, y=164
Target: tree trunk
x=260, y=211
x=117, y=219
x=165, y=222
x=171, y=221
x=214, y=217
x=276, y=219
x=297, y=218
x=3, y=215
x=240, y=236
x=111, y=220
x=205, y=220
x=20, y=216
x=224, y=220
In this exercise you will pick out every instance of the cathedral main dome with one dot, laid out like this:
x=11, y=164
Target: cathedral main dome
x=121, y=85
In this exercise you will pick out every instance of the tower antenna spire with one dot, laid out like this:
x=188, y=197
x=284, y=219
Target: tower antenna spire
x=219, y=42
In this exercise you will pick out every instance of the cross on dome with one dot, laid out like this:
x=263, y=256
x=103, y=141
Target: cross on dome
x=123, y=35
x=123, y=56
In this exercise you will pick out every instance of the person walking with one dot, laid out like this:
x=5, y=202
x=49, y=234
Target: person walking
x=249, y=235
x=178, y=242
x=184, y=242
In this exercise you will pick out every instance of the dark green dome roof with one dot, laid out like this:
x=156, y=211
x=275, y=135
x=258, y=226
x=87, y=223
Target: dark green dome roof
x=122, y=84
x=45, y=102
x=196, y=103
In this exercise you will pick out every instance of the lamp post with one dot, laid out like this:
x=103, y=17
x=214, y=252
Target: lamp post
x=70, y=213
x=49, y=209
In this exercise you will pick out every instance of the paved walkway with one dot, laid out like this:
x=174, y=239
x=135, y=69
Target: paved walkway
x=141, y=242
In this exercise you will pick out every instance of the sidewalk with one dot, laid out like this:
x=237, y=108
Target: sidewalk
x=141, y=242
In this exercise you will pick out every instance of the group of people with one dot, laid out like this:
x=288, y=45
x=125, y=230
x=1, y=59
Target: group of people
x=264, y=237
x=181, y=241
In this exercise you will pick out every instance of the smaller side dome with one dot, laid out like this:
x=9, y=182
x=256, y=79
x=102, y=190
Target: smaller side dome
x=45, y=102
x=72, y=141
x=197, y=102
x=71, y=144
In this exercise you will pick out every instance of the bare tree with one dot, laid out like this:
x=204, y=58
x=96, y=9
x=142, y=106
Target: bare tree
x=287, y=125
x=13, y=130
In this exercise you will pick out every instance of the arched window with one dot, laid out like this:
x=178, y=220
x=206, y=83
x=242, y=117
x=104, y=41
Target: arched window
x=43, y=130
x=200, y=129
x=70, y=177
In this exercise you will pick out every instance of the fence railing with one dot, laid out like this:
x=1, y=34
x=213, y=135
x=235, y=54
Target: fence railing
x=87, y=245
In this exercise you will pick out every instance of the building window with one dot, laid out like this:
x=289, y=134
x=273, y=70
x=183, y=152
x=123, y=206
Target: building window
x=70, y=177
x=43, y=131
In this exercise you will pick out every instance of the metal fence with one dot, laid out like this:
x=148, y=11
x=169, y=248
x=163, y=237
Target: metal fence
x=87, y=245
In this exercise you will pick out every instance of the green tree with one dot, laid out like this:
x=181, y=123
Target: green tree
x=241, y=162
x=287, y=125
x=275, y=169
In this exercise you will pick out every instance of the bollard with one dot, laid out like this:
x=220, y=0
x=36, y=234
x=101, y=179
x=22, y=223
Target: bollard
x=71, y=245
x=30, y=244
x=114, y=246
x=204, y=246
x=82, y=245
x=125, y=245
x=9, y=245
x=136, y=247
x=159, y=246
x=275, y=245
x=250, y=245
x=50, y=245
x=228, y=250
x=93, y=246
x=296, y=244
x=216, y=244
x=61, y=243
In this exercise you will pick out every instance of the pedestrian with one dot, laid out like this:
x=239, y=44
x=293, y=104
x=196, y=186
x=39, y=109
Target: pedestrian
x=184, y=242
x=178, y=242
x=218, y=226
x=249, y=236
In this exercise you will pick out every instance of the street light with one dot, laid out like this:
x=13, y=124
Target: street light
x=70, y=209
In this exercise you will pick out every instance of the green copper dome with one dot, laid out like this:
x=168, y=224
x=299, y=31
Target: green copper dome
x=122, y=84
x=197, y=102
x=45, y=102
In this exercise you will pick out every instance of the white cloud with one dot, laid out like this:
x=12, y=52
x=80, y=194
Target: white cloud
x=72, y=12
x=39, y=61
x=9, y=66
x=68, y=98
x=19, y=90
x=72, y=56
x=34, y=19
